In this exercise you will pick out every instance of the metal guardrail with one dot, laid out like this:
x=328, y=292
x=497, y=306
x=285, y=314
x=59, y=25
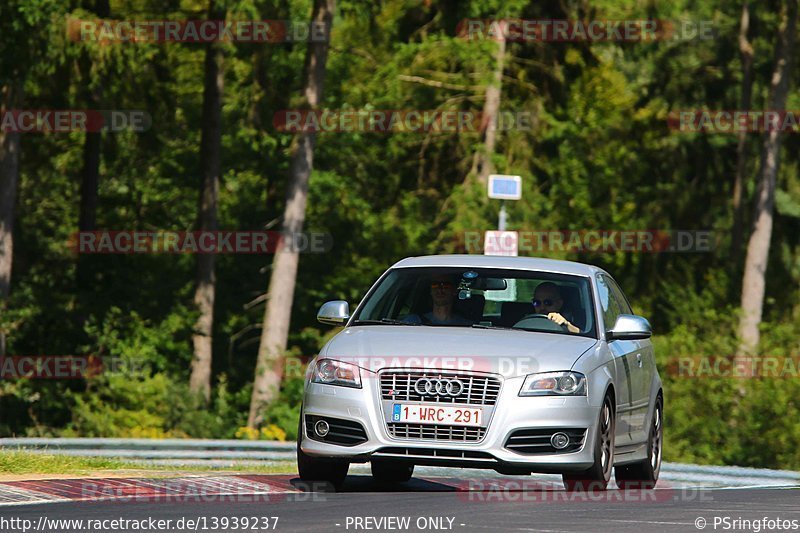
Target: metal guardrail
x=178, y=451
x=217, y=453
x=145, y=444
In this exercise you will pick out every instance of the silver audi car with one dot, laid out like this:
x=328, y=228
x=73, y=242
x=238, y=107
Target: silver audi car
x=516, y=364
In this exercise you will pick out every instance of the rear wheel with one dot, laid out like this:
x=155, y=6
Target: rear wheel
x=644, y=474
x=313, y=470
x=392, y=472
x=598, y=476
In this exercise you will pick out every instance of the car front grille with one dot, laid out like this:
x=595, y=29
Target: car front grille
x=477, y=389
x=472, y=389
x=436, y=432
x=537, y=441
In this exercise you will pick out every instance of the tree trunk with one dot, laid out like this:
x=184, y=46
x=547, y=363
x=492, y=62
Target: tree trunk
x=746, y=53
x=91, y=176
x=87, y=221
x=482, y=162
x=755, y=266
x=91, y=148
x=280, y=295
x=9, y=178
x=90, y=180
x=211, y=139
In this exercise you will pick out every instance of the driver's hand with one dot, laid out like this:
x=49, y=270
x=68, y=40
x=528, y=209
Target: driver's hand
x=561, y=321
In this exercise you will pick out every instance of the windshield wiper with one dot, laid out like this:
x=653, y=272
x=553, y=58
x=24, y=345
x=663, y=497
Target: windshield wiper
x=383, y=322
x=486, y=326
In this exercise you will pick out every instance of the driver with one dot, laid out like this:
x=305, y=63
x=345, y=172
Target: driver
x=443, y=295
x=547, y=301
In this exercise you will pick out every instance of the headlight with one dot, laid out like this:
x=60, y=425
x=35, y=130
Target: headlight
x=331, y=372
x=554, y=384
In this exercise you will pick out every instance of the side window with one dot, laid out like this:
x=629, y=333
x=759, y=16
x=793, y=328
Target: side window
x=608, y=301
x=624, y=306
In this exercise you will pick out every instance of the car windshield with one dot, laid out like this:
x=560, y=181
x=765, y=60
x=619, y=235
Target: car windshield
x=481, y=298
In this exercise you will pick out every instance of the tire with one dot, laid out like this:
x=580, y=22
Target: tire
x=598, y=475
x=319, y=471
x=391, y=472
x=644, y=474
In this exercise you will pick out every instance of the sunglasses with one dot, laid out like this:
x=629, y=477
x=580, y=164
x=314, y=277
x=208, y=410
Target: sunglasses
x=441, y=285
x=547, y=302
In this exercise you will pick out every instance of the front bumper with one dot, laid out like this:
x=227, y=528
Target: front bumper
x=511, y=413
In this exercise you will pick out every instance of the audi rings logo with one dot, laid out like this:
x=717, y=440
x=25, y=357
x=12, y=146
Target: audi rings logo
x=438, y=387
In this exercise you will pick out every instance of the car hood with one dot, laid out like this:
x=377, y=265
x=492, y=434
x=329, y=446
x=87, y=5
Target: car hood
x=507, y=352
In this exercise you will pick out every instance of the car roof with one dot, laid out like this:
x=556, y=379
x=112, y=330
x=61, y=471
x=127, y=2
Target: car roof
x=497, y=261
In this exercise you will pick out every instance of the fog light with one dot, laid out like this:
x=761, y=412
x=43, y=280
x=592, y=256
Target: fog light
x=559, y=441
x=321, y=428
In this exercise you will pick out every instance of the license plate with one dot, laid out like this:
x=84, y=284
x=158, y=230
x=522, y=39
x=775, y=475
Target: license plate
x=437, y=414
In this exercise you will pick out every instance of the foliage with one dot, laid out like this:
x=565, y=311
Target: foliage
x=138, y=396
x=281, y=417
x=718, y=420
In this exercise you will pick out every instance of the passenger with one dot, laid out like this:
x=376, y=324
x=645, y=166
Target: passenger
x=443, y=294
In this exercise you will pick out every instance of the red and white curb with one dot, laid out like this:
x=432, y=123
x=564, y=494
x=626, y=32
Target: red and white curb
x=197, y=489
x=273, y=488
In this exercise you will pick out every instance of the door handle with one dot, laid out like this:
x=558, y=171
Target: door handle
x=639, y=360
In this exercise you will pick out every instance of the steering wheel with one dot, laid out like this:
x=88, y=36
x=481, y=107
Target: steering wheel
x=538, y=321
x=535, y=315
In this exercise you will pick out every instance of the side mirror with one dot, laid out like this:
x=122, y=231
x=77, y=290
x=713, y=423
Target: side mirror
x=335, y=313
x=630, y=327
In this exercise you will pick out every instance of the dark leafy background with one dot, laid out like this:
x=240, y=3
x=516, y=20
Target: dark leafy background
x=599, y=156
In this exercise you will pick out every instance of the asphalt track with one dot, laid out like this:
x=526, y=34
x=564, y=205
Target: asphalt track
x=496, y=503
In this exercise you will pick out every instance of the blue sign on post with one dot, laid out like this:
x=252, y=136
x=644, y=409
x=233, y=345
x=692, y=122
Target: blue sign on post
x=502, y=187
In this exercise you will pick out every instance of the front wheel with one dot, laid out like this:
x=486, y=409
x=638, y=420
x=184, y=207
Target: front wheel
x=644, y=474
x=313, y=470
x=599, y=475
